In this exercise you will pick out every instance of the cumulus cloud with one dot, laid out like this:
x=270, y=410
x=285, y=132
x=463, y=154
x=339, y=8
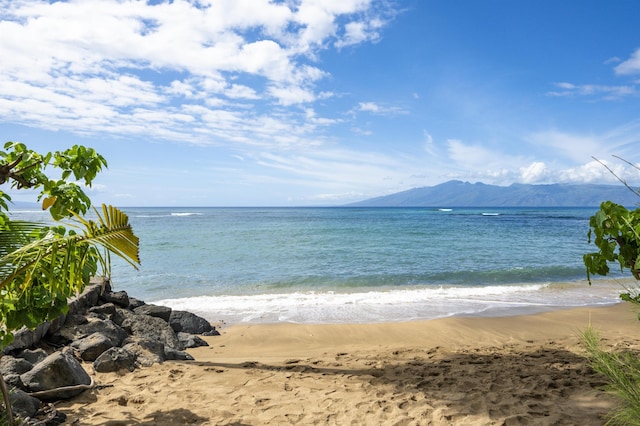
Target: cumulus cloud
x=357, y=32
x=590, y=172
x=96, y=66
x=534, y=173
x=563, y=157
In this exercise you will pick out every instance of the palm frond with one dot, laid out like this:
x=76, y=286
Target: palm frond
x=114, y=233
x=17, y=234
x=38, y=259
x=58, y=258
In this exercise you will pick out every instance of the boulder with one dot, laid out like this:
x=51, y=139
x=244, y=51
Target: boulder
x=188, y=340
x=13, y=381
x=135, y=303
x=91, y=347
x=34, y=356
x=161, y=312
x=14, y=365
x=23, y=404
x=189, y=323
x=88, y=298
x=106, y=327
x=118, y=298
x=115, y=359
x=106, y=309
x=147, y=352
x=60, y=369
x=175, y=355
x=149, y=328
x=75, y=319
x=25, y=338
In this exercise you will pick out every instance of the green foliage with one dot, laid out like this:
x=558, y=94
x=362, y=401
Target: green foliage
x=622, y=370
x=615, y=231
x=617, y=237
x=41, y=266
x=38, y=277
x=21, y=168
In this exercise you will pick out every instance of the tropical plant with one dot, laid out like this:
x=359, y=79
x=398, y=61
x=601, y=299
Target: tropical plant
x=45, y=265
x=617, y=237
x=616, y=233
x=42, y=265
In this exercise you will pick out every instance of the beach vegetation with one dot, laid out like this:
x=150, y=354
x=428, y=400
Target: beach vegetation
x=622, y=370
x=615, y=231
x=43, y=264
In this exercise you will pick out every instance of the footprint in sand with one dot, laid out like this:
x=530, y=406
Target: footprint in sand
x=175, y=374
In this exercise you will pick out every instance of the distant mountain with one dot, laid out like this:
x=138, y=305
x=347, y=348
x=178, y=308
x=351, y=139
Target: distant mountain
x=456, y=193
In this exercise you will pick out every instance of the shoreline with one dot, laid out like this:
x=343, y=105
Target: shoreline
x=455, y=370
x=400, y=304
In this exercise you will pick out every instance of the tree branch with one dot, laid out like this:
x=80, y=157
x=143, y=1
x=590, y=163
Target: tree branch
x=624, y=182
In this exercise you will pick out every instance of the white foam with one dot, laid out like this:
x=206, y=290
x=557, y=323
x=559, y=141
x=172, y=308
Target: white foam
x=389, y=304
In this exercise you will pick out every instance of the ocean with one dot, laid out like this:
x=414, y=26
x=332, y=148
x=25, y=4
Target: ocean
x=353, y=265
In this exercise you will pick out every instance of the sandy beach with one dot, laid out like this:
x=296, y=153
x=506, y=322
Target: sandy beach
x=466, y=371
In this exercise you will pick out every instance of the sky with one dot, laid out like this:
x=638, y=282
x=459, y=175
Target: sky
x=323, y=102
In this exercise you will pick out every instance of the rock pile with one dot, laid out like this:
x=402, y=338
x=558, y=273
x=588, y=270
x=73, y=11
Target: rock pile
x=104, y=331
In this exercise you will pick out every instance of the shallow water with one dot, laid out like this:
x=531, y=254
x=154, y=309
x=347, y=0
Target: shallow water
x=361, y=264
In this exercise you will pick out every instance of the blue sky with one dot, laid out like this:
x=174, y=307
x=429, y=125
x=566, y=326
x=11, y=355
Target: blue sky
x=323, y=102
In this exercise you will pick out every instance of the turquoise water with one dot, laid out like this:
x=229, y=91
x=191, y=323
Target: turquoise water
x=361, y=264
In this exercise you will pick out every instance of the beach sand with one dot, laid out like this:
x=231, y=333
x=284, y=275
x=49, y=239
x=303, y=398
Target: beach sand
x=465, y=371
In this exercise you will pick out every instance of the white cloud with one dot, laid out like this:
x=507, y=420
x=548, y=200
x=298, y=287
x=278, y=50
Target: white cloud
x=427, y=138
x=357, y=32
x=594, y=172
x=291, y=95
x=375, y=108
x=242, y=92
x=534, y=173
x=612, y=60
x=605, y=92
x=99, y=66
x=631, y=65
x=360, y=131
x=341, y=170
x=576, y=148
x=472, y=157
x=593, y=90
x=590, y=172
x=368, y=107
x=575, y=164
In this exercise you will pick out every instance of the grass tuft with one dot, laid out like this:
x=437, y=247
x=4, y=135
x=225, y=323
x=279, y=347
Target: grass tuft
x=622, y=370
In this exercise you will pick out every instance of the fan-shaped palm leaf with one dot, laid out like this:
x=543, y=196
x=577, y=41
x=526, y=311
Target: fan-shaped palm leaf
x=63, y=258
